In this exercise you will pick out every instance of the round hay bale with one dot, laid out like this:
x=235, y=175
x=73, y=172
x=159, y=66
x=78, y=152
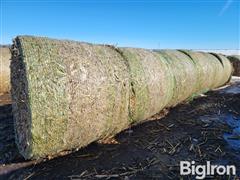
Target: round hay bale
x=151, y=77
x=66, y=94
x=235, y=61
x=205, y=70
x=5, y=70
x=218, y=70
x=224, y=73
x=213, y=70
x=184, y=73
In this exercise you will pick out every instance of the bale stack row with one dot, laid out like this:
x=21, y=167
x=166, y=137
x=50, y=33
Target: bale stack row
x=235, y=60
x=5, y=56
x=68, y=94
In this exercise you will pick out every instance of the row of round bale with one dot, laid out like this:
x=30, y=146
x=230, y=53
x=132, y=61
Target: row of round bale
x=67, y=94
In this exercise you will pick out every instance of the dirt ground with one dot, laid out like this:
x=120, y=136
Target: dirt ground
x=205, y=129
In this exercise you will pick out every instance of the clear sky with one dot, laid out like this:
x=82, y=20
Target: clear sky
x=209, y=24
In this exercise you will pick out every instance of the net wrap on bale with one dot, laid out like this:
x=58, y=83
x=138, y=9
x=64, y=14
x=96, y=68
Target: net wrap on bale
x=150, y=77
x=68, y=94
x=214, y=70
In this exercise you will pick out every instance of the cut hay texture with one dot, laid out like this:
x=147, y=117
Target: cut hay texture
x=214, y=70
x=150, y=77
x=5, y=56
x=68, y=94
x=184, y=74
x=235, y=60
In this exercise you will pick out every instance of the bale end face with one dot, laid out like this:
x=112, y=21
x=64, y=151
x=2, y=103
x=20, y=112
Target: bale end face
x=39, y=97
x=21, y=106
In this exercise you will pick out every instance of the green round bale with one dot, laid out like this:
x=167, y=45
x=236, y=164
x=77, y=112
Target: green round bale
x=150, y=78
x=214, y=70
x=184, y=75
x=224, y=71
x=66, y=94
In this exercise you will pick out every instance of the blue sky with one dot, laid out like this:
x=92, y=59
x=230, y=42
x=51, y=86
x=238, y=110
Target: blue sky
x=212, y=24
